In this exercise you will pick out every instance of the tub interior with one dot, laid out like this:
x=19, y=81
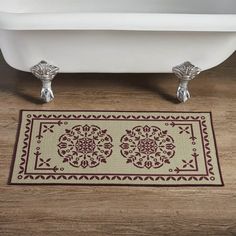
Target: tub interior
x=120, y=6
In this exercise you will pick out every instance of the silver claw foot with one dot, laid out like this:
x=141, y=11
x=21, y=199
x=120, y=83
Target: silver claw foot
x=185, y=72
x=45, y=72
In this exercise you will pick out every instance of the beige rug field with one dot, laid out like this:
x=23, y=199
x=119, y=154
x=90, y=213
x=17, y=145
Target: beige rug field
x=118, y=148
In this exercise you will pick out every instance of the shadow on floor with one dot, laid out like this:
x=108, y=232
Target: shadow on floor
x=150, y=82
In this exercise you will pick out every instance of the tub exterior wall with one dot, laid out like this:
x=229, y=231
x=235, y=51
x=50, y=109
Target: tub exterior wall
x=115, y=51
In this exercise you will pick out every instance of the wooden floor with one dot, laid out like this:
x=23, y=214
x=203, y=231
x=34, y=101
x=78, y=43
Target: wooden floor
x=137, y=211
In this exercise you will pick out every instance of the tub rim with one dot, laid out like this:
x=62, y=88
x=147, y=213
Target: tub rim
x=118, y=21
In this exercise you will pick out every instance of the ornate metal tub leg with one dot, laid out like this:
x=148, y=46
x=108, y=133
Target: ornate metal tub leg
x=185, y=72
x=45, y=72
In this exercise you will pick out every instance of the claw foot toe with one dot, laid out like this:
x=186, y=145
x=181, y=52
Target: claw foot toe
x=183, y=95
x=47, y=95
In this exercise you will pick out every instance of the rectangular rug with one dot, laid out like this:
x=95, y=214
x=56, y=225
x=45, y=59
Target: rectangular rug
x=118, y=148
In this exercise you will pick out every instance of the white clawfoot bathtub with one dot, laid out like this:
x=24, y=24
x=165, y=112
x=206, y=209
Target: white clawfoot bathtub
x=117, y=36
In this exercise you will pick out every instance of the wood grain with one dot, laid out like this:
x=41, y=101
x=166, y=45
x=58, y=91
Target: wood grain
x=100, y=210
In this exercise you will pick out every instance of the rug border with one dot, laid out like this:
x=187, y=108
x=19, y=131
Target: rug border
x=103, y=184
x=216, y=148
x=15, y=147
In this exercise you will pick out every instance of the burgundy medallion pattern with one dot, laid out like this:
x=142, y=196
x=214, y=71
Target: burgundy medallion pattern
x=85, y=146
x=143, y=148
x=147, y=147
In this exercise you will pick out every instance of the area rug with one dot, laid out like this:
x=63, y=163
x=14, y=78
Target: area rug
x=116, y=148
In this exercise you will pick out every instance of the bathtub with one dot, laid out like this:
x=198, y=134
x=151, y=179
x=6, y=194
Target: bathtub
x=117, y=36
